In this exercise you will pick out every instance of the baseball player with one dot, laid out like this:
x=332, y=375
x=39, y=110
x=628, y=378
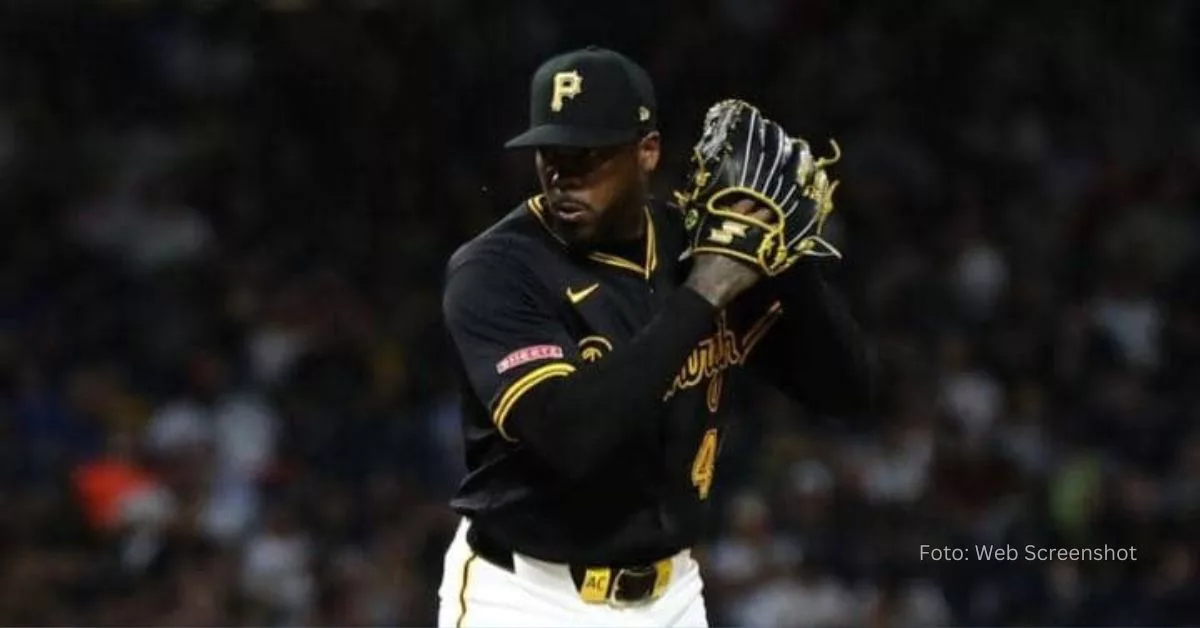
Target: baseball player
x=598, y=366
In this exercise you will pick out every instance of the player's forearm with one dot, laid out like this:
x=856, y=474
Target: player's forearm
x=836, y=375
x=576, y=422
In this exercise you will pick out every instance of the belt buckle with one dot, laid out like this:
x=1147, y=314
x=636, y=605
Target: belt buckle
x=651, y=595
x=614, y=601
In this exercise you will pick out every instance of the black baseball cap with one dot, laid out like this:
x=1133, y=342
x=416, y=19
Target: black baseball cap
x=588, y=98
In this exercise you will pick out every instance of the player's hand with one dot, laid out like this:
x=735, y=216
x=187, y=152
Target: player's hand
x=719, y=278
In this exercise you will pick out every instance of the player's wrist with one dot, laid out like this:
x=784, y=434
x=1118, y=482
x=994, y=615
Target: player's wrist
x=719, y=279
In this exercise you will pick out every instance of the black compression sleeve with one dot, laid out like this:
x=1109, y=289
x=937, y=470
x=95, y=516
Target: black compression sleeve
x=820, y=353
x=575, y=422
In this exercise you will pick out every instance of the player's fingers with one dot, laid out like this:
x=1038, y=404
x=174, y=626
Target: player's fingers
x=752, y=208
x=744, y=206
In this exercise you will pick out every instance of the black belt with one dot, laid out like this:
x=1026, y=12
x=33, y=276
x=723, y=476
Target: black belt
x=619, y=585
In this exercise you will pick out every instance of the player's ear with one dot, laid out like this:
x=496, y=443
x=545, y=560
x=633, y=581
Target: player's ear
x=649, y=149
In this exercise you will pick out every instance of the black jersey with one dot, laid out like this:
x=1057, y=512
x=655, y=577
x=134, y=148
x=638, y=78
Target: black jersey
x=555, y=347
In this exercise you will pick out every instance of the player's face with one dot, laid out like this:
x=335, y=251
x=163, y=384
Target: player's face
x=594, y=194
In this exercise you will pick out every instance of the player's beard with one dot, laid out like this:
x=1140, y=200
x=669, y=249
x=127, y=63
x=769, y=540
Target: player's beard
x=622, y=219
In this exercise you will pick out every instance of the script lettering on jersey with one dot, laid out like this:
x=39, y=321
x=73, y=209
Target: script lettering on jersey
x=708, y=361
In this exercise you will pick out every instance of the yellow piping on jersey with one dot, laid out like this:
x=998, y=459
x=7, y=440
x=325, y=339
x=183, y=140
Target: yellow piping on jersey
x=537, y=207
x=462, y=590
x=521, y=386
x=651, y=253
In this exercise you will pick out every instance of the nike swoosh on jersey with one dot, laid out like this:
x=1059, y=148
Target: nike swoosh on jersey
x=580, y=295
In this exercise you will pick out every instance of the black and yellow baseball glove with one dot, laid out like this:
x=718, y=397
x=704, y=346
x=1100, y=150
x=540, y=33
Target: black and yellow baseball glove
x=741, y=154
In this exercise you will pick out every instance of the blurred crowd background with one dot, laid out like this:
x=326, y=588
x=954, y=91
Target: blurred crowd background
x=225, y=392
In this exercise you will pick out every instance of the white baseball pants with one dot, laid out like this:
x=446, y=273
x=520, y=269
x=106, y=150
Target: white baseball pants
x=475, y=592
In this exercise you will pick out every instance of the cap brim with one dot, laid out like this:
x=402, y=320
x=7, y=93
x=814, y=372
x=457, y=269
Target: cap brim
x=574, y=137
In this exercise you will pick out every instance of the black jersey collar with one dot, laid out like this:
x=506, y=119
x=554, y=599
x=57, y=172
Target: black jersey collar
x=536, y=206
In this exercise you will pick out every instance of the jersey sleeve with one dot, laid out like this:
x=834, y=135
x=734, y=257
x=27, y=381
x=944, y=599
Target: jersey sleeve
x=812, y=350
x=506, y=334
x=524, y=367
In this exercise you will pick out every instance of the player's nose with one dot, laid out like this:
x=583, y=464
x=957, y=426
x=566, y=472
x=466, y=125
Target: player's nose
x=563, y=181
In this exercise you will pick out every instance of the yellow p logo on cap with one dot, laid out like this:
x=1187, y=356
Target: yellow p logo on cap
x=566, y=85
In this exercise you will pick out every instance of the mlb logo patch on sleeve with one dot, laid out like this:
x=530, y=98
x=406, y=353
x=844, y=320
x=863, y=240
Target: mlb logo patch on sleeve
x=526, y=355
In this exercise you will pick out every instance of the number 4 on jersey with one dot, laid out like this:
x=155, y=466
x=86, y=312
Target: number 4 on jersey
x=702, y=466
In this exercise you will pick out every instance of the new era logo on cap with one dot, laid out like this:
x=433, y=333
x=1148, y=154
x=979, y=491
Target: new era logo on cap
x=588, y=98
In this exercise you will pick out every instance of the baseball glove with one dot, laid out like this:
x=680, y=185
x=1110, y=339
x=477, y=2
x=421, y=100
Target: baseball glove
x=741, y=155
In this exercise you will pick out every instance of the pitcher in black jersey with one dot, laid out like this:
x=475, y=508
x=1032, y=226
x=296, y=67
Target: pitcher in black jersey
x=597, y=370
